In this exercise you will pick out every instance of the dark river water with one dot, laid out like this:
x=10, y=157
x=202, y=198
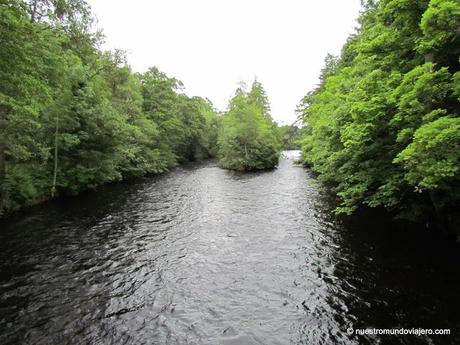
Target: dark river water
x=206, y=256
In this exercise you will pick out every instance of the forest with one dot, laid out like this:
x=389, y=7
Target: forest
x=382, y=129
x=73, y=116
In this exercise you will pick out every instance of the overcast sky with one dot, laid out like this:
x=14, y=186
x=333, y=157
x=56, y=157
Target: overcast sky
x=211, y=45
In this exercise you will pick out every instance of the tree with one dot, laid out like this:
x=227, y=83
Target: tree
x=392, y=95
x=290, y=136
x=248, y=138
x=73, y=117
x=30, y=65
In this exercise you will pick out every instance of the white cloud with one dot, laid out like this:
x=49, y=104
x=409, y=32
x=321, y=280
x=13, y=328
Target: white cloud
x=211, y=45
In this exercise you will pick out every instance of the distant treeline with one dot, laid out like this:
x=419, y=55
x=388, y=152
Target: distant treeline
x=73, y=117
x=290, y=136
x=382, y=129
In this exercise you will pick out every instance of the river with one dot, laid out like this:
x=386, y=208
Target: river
x=201, y=255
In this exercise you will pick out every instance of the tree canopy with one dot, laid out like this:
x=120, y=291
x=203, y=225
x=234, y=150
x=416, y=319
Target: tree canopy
x=248, y=139
x=382, y=128
x=73, y=117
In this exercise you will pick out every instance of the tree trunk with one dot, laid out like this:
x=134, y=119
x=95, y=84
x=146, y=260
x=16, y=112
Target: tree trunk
x=56, y=149
x=2, y=160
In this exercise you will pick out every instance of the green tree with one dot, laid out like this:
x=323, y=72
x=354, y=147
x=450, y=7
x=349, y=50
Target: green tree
x=30, y=68
x=248, y=139
x=381, y=129
x=290, y=137
x=73, y=117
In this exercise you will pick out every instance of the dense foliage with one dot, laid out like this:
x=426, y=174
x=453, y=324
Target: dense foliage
x=248, y=139
x=290, y=136
x=73, y=117
x=383, y=127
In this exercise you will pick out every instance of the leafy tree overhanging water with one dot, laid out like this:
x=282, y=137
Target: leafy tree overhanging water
x=383, y=128
x=73, y=117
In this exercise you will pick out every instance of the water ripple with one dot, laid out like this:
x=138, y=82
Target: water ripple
x=205, y=256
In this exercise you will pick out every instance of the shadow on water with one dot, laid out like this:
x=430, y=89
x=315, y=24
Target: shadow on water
x=206, y=256
x=395, y=275
x=57, y=264
x=49, y=265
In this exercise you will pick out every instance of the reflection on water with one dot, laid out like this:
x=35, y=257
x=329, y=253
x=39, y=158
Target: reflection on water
x=207, y=256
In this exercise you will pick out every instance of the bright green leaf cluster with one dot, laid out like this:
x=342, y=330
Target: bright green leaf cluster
x=248, y=139
x=382, y=129
x=73, y=117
